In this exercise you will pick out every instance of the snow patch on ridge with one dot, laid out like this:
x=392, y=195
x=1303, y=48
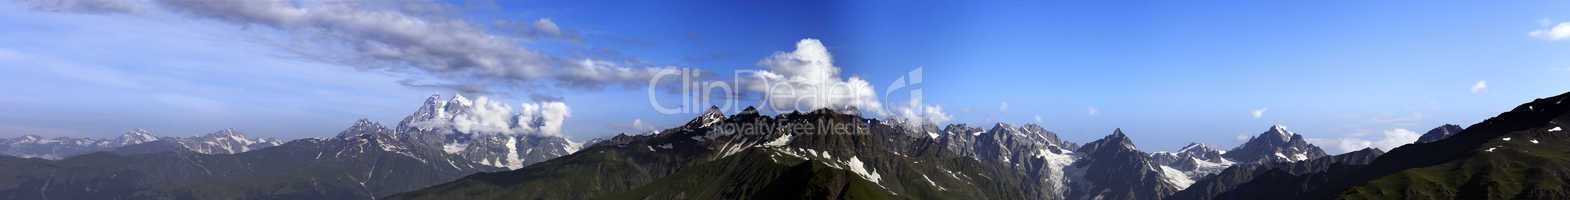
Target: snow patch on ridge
x=781, y=141
x=1175, y=177
x=513, y=161
x=454, y=148
x=857, y=166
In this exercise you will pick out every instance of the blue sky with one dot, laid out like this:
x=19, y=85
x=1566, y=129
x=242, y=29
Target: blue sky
x=1168, y=73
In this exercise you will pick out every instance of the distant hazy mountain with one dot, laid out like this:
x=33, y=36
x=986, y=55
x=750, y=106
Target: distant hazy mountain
x=364, y=161
x=227, y=141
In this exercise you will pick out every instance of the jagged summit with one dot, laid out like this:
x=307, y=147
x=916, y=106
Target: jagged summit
x=362, y=127
x=1117, y=139
x=1275, y=145
x=709, y=117
x=748, y=111
x=1439, y=133
x=1277, y=132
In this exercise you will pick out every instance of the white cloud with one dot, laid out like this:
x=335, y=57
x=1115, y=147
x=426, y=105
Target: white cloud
x=1093, y=111
x=418, y=39
x=1257, y=113
x=806, y=79
x=1004, y=107
x=554, y=114
x=547, y=26
x=1389, y=139
x=1557, y=32
x=913, y=115
x=639, y=125
x=1479, y=87
x=486, y=116
x=1038, y=119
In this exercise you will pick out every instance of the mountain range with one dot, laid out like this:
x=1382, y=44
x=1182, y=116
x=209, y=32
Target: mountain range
x=364, y=161
x=821, y=154
x=226, y=141
x=1507, y=157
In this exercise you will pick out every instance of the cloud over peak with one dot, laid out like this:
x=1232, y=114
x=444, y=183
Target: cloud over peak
x=806, y=79
x=483, y=115
x=1386, y=140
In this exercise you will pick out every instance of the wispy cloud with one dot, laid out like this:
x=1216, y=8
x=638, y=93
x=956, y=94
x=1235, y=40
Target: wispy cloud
x=1258, y=113
x=1479, y=87
x=1387, y=140
x=85, y=6
x=416, y=41
x=1092, y=111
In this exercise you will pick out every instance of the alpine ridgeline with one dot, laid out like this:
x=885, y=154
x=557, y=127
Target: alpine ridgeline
x=827, y=154
x=365, y=161
x=1518, y=154
x=227, y=141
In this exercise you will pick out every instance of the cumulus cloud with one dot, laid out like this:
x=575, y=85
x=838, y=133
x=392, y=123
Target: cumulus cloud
x=1479, y=87
x=1389, y=139
x=1557, y=32
x=806, y=79
x=1258, y=113
x=484, y=115
x=914, y=115
x=411, y=38
x=552, y=116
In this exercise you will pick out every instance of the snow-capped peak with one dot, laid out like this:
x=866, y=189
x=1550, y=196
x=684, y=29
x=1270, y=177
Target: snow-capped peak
x=708, y=118
x=136, y=136
x=1191, y=147
x=1281, y=131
